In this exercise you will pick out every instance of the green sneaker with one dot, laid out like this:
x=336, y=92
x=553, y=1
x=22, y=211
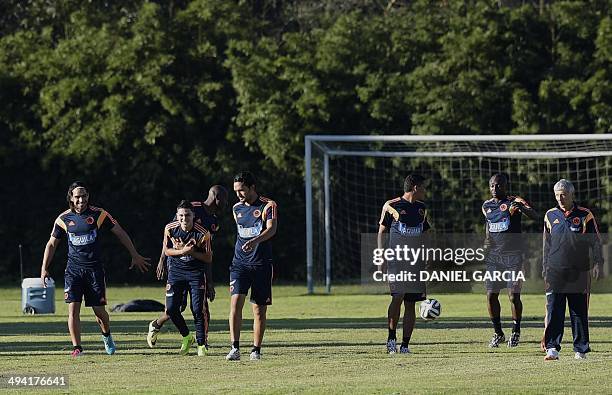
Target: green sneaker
x=203, y=350
x=186, y=344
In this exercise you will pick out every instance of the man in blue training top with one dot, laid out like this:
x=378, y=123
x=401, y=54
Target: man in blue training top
x=256, y=221
x=571, y=238
x=84, y=275
x=188, y=250
x=206, y=214
x=505, y=252
x=403, y=217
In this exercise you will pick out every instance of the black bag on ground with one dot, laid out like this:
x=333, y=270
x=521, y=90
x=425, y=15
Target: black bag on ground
x=138, y=305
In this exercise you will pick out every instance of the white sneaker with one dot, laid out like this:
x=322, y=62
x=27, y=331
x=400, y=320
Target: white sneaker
x=255, y=356
x=551, y=354
x=391, y=346
x=405, y=350
x=580, y=355
x=152, y=335
x=233, y=355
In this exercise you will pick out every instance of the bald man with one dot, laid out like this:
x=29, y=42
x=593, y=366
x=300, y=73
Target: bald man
x=503, y=214
x=206, y=214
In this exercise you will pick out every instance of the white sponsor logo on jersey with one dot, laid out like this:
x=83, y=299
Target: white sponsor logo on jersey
x=406, y=230
x=253, y=231
x=81, y=240
x=496, y=227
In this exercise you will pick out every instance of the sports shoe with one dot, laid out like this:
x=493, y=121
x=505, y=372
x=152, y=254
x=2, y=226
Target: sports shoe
x=109, y=344
x=551, y=354
x=76, y=353
x=203, y=350
x=233, y=355
x=152, y=335
x=255, y=356
x=391, y=346
x=404, y=350
x=514, y=339
x=186, y=344
x=496, y=340
x=580, y=355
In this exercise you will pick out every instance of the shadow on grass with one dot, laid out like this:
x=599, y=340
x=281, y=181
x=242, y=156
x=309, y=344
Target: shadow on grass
x=171, y=346
x=59, y=327
x=35, y=335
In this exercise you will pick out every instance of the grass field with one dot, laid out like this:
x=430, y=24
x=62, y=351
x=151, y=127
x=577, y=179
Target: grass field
x=314, y=344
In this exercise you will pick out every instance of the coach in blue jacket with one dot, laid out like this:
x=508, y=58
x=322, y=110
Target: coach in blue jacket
x=570, y=234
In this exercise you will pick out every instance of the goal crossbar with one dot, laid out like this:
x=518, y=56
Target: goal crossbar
x=319, y=142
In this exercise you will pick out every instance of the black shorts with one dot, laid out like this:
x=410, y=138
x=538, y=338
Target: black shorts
x=90, y=283
x=257, y=278
x=412, y=296
x=413, y=290
x=496, y=265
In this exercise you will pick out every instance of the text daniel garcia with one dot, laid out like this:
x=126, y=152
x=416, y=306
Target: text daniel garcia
x=449, y=275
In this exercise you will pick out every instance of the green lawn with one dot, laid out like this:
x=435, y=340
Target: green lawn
x=315, y=344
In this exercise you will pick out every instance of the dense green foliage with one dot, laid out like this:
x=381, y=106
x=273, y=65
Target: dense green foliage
x=150, y=102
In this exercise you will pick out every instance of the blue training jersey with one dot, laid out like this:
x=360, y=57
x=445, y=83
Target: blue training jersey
x=502, y=219
x=404, y=218
x=186, y=262
x=571, y=239
x=251, y=222
x=82, y=231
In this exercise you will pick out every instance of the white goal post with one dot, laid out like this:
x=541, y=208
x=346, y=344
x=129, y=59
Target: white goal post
x=585, y=156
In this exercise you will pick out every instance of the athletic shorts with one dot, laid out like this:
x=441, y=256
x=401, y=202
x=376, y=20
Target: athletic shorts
x=413, y=290
x=511, y=265
x=257, y=278
x=84, y=282
x=412, y=296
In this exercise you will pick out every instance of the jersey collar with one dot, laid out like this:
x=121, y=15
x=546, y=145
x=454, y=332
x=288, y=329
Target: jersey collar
x=568, y=212
x=82, y=212
x=254, y=201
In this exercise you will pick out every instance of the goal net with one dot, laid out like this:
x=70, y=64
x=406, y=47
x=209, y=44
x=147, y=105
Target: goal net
x=349, y=178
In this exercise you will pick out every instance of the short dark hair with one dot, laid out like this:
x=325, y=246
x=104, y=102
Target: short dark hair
x=503, y=176
x=72, y=187
x=185, y=204
x=413, y=180
x=245, y=177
